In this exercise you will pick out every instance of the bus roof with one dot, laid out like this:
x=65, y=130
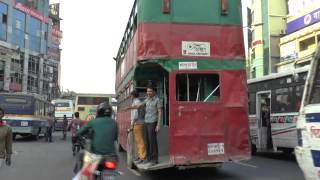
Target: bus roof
x=37, y=96
x=278, y=75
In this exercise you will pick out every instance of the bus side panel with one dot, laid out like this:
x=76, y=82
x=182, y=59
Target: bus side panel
x=123, y=120
x=236, y=114
x=165, y=40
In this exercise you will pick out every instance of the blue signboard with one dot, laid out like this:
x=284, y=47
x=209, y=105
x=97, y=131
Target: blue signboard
x=303, y=21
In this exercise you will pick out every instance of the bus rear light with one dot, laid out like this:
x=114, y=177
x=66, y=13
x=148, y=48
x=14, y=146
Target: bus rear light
x=224, y=7
x=166, y=6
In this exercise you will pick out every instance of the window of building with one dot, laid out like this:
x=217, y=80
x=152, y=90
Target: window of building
x=197, y=87
x=45, y=42
x=32, y=84
x=33, y=64
x=34, y=34
x=2, y=66
x=3, y=21
x=18, y=28
x=16, y=74
x=305, y=44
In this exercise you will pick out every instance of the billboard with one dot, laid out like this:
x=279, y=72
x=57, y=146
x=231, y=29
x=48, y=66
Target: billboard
x=304, y=21
x=35, y=8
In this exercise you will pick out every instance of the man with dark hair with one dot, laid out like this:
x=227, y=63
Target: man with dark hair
x=104, y=131
x=49, y=126
x=74, y=125
x=5, y=141
x=153, y=118
x=64, y=127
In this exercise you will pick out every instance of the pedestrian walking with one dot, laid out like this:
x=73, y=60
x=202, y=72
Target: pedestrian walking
x=5, y=142
x=64, y=127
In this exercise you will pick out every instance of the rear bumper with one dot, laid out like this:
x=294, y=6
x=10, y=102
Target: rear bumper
x=22, y=130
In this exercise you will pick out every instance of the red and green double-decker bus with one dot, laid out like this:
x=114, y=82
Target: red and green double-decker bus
x=193, y=52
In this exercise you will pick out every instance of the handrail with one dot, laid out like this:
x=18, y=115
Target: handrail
x=128, y=34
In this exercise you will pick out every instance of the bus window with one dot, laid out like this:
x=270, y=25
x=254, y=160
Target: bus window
x=92, y=100
x=197, y=87
x=15, y=100
x=315, y=93
x=299, y=93
x=62, y=104
x=283, y=100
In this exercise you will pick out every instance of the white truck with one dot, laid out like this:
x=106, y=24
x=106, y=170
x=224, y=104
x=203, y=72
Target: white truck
x=308, y=124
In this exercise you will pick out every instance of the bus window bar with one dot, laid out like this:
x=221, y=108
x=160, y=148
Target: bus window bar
x=198, y=91
x=188, y=88
x=166, y=6
x=128, y=34
x=224, y=7
x=205, y=100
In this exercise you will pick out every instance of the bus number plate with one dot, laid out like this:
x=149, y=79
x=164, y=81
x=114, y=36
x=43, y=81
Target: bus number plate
x=215, y=148
x=24, y=123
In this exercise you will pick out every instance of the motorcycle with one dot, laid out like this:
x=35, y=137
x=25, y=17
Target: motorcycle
x=98, y=167
x=77, y=145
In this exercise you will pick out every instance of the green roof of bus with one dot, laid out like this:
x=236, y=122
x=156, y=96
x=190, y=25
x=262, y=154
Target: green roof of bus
x=190, y=11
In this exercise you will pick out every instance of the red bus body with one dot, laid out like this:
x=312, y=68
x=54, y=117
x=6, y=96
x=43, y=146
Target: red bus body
x=154, y=51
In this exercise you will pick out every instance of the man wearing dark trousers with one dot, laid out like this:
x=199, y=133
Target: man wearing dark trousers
x=153, y=117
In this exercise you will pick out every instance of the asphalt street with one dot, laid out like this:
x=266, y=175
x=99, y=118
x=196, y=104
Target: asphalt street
x=39, y=160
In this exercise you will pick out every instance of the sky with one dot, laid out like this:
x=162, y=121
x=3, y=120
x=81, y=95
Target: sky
x=92, y=33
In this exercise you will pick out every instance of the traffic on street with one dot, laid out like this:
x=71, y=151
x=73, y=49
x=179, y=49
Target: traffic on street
x=50, y=161
x=160, y=89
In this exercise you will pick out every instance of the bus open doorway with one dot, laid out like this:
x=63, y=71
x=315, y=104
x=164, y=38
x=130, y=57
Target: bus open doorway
x=152, y=75
x=264, y=141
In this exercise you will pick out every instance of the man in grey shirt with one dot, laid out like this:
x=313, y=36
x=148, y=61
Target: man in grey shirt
x=153, y=117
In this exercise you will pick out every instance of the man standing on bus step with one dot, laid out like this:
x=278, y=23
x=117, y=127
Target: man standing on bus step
x=153, y=118
x=5, y=141
x=64, y=127
x=137, y=124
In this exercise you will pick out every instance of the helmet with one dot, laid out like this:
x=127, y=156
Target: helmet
x=104, y=109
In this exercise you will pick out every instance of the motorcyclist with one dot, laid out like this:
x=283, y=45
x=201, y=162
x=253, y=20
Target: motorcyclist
x=103, y=131
x=74, y=125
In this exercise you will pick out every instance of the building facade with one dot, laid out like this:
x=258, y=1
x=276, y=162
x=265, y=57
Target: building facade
x=29, y=47
x=303, y=34
x=284, y=35
x=268, y=24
